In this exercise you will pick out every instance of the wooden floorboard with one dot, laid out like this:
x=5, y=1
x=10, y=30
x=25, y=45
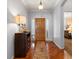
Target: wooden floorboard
x=68, y=45
x=53, y=52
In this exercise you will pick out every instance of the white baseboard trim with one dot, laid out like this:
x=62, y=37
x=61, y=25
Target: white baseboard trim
x=58, y=45
x=48, y=40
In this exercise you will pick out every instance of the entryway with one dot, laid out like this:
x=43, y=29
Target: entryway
x=40, y=41
x=39, y=30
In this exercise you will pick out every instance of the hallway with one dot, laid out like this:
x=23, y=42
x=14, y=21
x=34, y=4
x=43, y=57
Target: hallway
x=23, y=16
x=40, y=51
x=44, y=51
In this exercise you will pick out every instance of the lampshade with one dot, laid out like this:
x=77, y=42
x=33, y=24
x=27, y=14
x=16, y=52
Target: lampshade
x=20, y=19
x=17, y=19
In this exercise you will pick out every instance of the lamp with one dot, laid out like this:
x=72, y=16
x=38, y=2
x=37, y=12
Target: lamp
x=40, y=6
x=20, y=20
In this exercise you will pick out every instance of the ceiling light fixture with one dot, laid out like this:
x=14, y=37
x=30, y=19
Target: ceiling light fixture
x=40, y=6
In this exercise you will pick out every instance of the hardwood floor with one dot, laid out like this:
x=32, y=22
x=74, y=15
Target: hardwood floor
x=67, y=55
x=42, y=51
x=54, y=52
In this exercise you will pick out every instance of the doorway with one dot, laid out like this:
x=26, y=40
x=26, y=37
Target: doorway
x=40, y=29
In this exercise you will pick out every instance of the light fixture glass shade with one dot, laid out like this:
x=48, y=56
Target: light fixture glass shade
x=40, y=7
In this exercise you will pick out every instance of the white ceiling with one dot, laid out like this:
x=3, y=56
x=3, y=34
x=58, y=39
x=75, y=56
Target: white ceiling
x=68, y=6
x=48, y=4
x=33, y=4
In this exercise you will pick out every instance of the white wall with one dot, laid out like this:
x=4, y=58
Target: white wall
x=58, y=23
x=15, y=7
x=44, y=14
x=66, y=15
x=11, y=29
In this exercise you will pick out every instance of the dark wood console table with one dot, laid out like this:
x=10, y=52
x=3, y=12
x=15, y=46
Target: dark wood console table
x=22, y=43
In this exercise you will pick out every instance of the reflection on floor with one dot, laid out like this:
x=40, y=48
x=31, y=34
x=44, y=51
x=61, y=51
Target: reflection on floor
x=40, y=51
x=54, y=52
x=45, y=51
x=67, y=55
x=68, y=45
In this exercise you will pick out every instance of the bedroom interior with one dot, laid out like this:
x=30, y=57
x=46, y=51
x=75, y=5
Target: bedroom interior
x=68, y=32
x=68, y=29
